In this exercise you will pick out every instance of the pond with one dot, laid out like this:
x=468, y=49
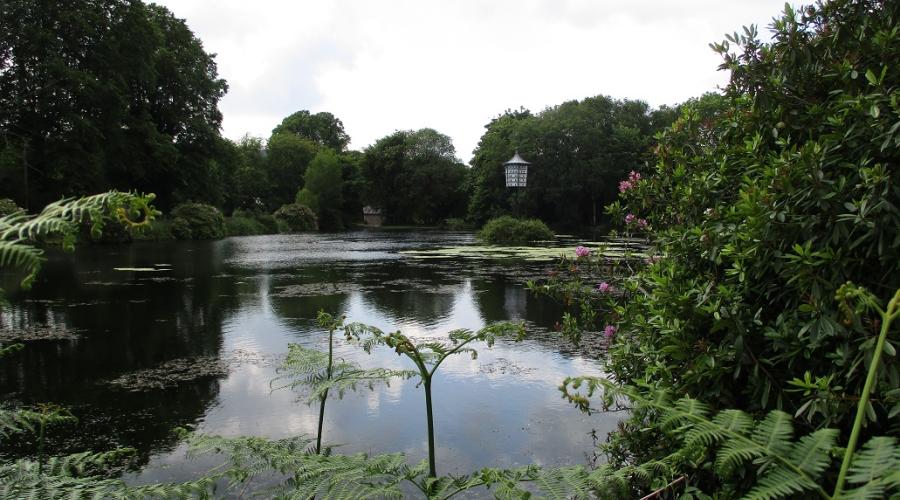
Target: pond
x=232, y=306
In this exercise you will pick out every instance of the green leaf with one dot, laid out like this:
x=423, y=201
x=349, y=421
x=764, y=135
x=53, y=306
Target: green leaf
x=871, y=77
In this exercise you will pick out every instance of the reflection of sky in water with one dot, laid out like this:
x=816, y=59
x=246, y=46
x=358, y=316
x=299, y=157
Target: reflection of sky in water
x=227, y=298
x=501, y=409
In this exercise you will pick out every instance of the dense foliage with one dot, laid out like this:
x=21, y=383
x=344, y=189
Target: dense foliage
x=507, y=230
x=415, y=177
x=323, y=190
x=296, y=218
x=197, y=221
x=106, y=93
x=578, y=151
x=323, y=129
x=763, y=204
x=247, y=224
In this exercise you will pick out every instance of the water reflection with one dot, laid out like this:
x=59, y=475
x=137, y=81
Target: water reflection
x=244, y=299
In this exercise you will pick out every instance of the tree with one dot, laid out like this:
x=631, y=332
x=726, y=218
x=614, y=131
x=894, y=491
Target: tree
x=322, y=128
x=105, y=94
x=287, y=158
x=579, y=150
x=249, y=179
x=415, y=177
x=323, y=188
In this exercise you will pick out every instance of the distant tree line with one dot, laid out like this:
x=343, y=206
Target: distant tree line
x=118, y=94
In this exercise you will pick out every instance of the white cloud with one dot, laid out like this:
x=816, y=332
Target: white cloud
x=386, y=65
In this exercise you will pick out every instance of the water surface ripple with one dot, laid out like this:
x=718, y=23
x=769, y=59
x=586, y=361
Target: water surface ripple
x=240, y=301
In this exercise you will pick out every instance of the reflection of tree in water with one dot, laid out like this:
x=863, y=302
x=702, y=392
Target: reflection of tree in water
x=127, y=321
x=499, y=298
x=412, y=292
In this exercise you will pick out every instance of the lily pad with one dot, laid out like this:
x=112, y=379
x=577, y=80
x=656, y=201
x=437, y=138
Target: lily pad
x=38, y=332
x=528, y=254
x=171, y=373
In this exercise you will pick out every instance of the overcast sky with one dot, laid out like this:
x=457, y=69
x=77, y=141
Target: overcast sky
x=452, y=65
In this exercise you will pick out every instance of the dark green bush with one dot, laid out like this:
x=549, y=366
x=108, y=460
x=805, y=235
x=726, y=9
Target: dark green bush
x=763, y=204
x=508, y=230
x=243, y=226
x=197, y=221
x=296, y=218
x=267, y=221
x=158, y=230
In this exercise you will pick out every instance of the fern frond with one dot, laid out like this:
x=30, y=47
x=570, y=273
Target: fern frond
x=18, y=231
x=15, y=421
x=21, y=256
x=874, y=490
x=357, y=476
x=505, y=483
x=86, y=475
x=780, y=482
x=879, y=457
x=564, y=483
x=811, y=453
x=353, y=378
x=26, y=419
x=7, y=350
x=251, y=456
x=309, y=368
x=775, y=433
x=685, y=411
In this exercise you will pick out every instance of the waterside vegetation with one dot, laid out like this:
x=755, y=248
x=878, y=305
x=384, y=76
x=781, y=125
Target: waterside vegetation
x=751, y=335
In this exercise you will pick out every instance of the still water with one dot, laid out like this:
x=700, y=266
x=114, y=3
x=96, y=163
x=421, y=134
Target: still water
x=241, y=301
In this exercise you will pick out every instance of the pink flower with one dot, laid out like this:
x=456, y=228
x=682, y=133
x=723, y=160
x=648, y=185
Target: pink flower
x=629, y=218
x=634, y=177
x=609, y=332
x=643, y=223
x=624, y=186
x=604, y=287
x=582, y=251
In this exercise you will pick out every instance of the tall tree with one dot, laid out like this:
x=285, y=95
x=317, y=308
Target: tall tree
x=249, y=179
x=415, y=177
x=322, y=128
x=105, y=93
x=287, y=157
x=323, y=189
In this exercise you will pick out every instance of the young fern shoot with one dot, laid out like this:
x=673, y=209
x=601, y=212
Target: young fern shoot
x=428, y=356
x=321, y=373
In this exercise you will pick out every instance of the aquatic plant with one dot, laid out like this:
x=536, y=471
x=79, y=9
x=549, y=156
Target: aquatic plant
x=428, y=356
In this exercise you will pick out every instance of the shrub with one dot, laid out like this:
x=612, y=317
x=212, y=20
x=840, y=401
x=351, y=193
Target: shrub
x=197, y=221
x=764, y=203
x=7, y=206
x=158, y=230
x=267, y=221
x=244, y=226
x=507, y=230
x=296, y=218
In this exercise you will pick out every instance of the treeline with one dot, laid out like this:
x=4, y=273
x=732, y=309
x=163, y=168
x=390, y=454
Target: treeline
x=118, y=94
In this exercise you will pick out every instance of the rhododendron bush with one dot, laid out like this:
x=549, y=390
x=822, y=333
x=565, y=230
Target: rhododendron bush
x=763, y=202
